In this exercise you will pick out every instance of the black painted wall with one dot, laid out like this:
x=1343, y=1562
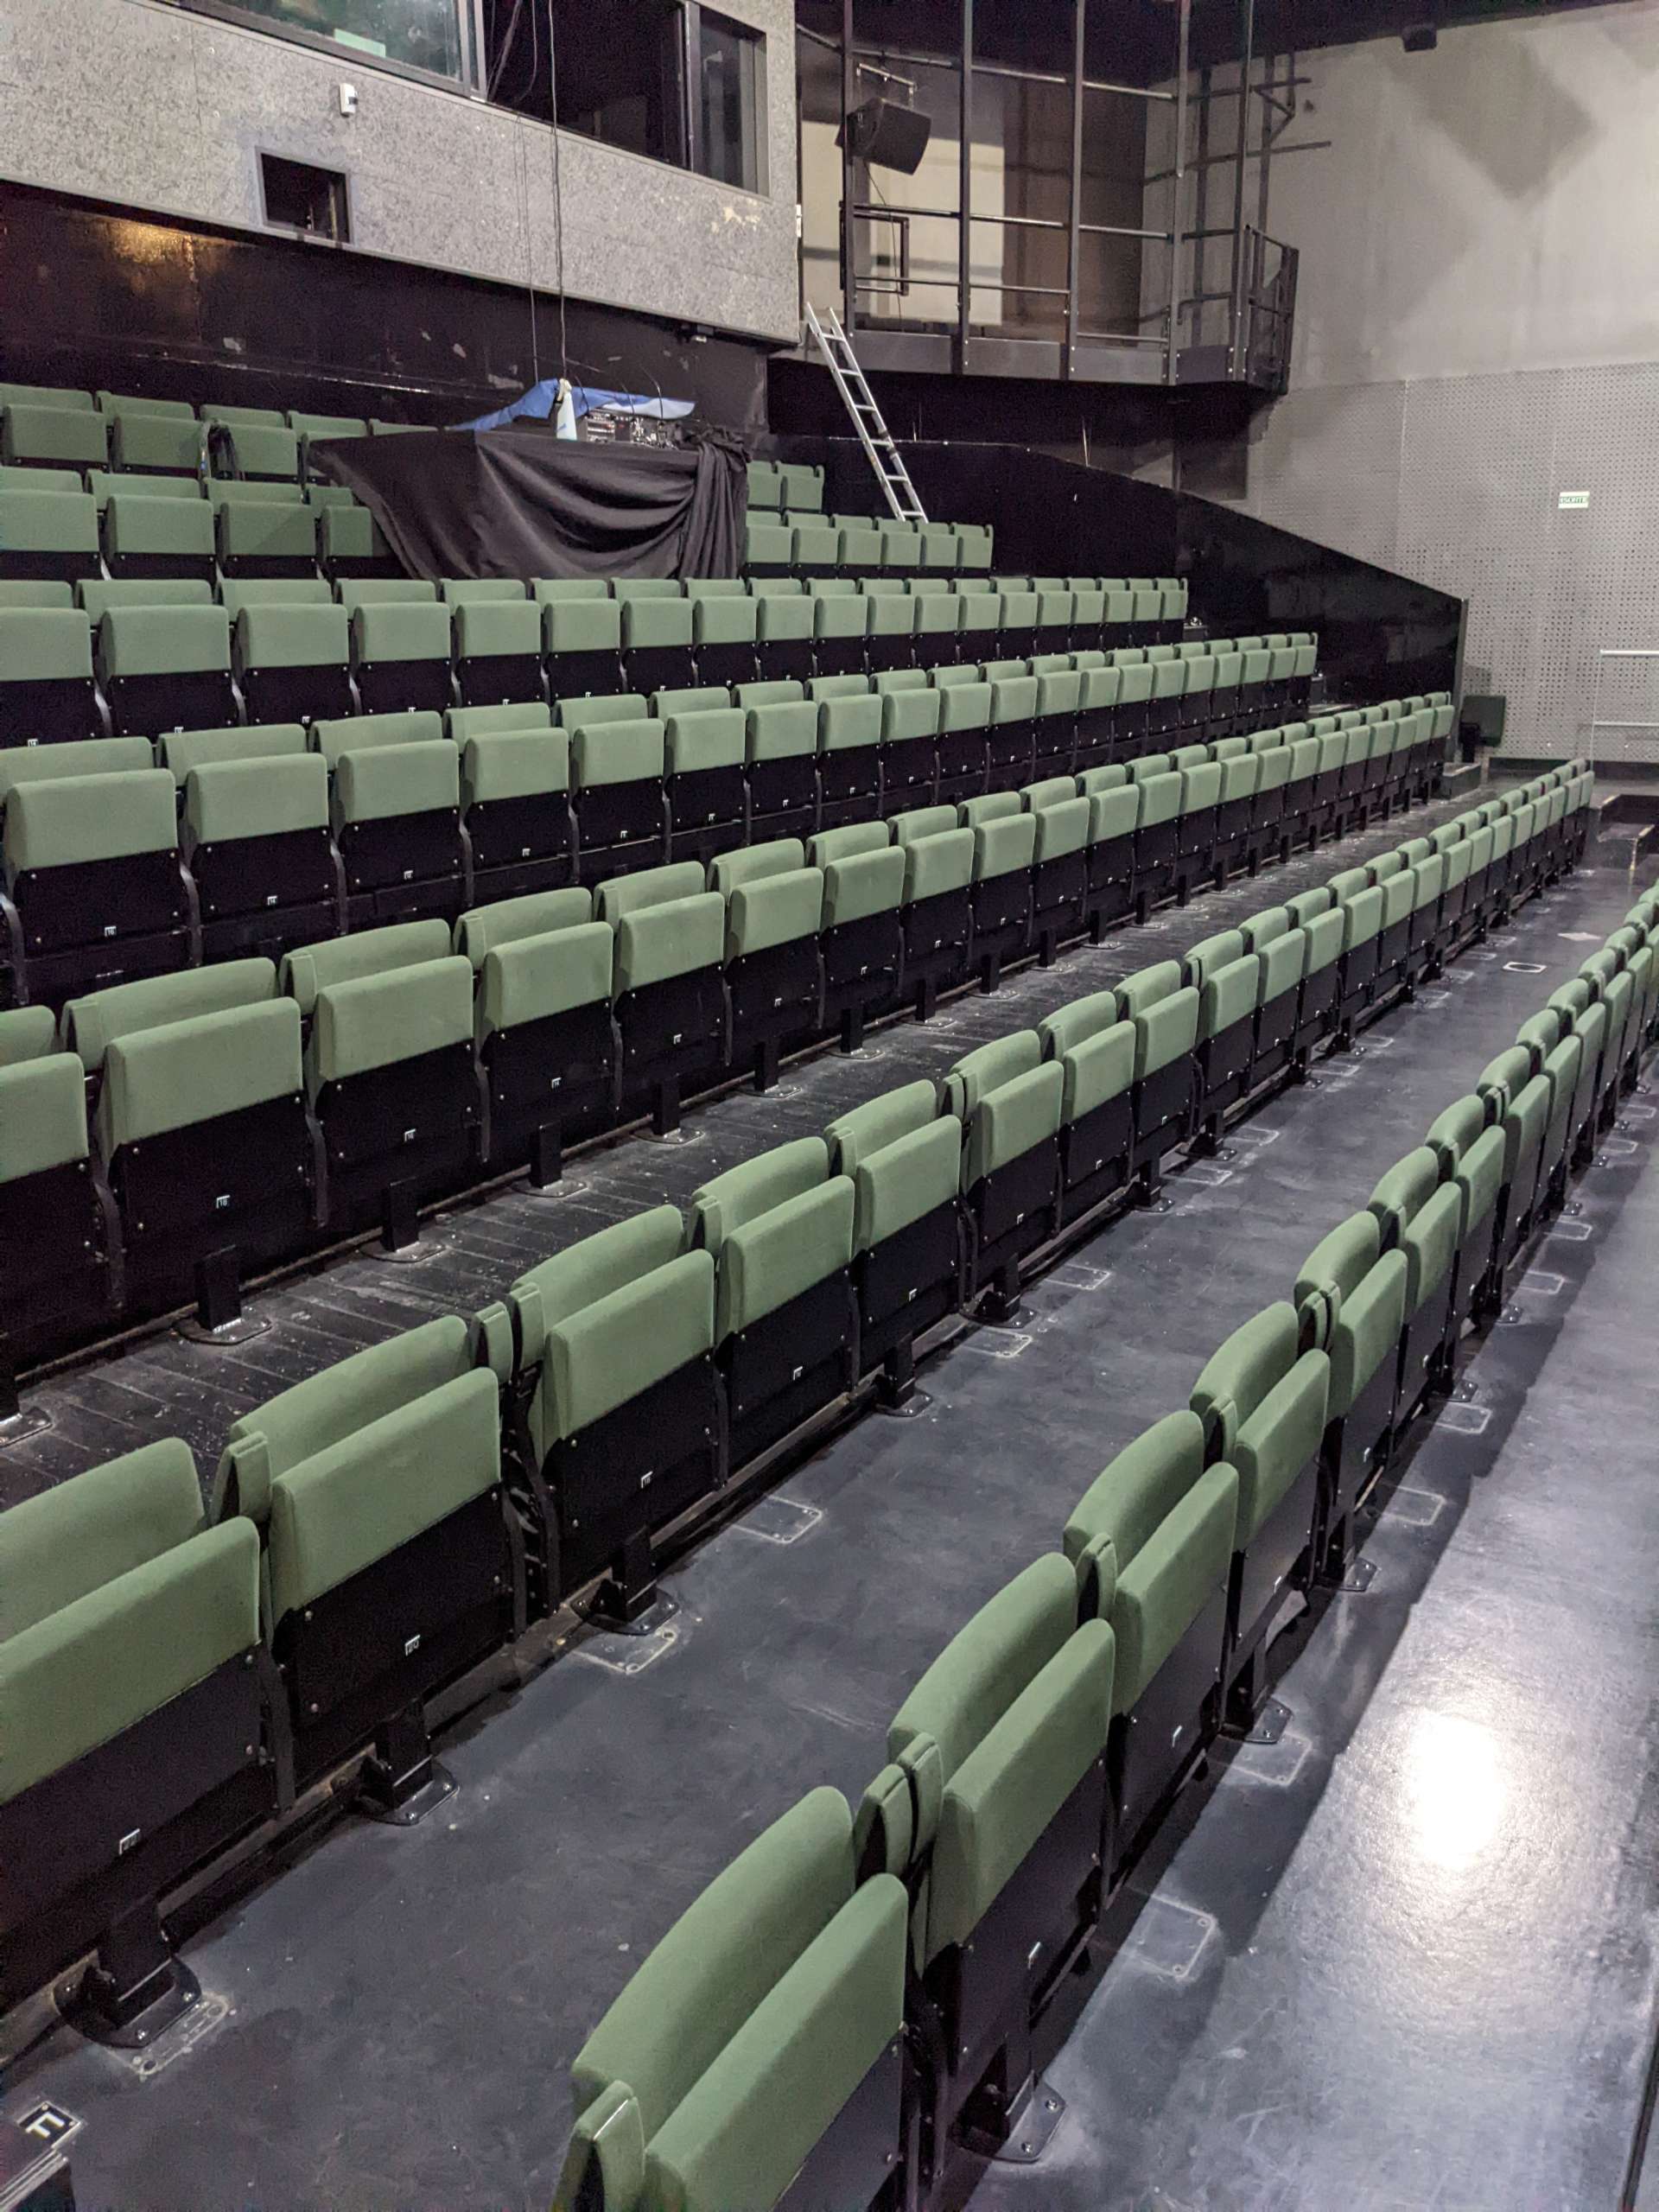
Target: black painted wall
x=96, y=295
x=1381, y=635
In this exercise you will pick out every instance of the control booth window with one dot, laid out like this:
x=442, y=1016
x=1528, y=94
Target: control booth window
x=433, y=37
x=670, y=79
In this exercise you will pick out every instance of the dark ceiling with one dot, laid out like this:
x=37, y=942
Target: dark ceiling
x=1134, y=40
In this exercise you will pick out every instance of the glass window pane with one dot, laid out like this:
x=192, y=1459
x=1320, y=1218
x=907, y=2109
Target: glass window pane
x=621, y=73
x=420, y=34
x=729, y=94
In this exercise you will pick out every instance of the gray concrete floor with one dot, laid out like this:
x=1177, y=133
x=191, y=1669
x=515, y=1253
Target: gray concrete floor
x=1401, y=1959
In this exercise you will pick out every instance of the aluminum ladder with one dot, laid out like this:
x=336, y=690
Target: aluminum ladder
x=860, y=402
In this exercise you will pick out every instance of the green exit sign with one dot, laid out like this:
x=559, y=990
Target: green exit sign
x=1573, y=500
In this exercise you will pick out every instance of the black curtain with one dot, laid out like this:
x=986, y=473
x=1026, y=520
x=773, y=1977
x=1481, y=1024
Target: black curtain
x=520, y=502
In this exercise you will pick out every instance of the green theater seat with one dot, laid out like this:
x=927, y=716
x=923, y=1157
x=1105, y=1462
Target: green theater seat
x=1007, y=1099
x=129, y=1711
x=60, y=1279
x=1350, y=1296
x=757, y=2056
x=545, y=1039
x=47, y=690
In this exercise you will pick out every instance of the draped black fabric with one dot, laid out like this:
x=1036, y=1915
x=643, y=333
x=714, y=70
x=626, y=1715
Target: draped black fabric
x=520, y=502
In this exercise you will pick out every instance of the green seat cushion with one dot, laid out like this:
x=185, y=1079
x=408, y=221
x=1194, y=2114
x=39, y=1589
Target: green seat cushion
x=986, y=1068
x=989, y=1663
x=388, y=781
x=1097, y=1070
x=183, y=750
x=1173, y=1571
x=904, y=1179
x=1077, y=1021
x=79, y=1677
x=590, y=1270
x=92, y=1024
x=855, y=1137
x=88, y=818
x=673, y=938
x=361, y=733
x=1277, y=1439
x=1013, y=1781
x=514, y=764
x=611, y=1351
x=66, y=1542
x=1011, y=1121
x=227, y=799
x=310, y=967
x=1366, y=1331
x=771, y=1258
x=377, y=1021
x=196, y=1071
x=1133, y=1495
x=742, y=2132
x=532, y=978
x=29, y=1032
x=1166, y=1032
x=360, y=1499
x=777, y=910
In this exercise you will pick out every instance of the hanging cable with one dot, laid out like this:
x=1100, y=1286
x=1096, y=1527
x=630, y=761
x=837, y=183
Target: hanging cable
x=558, y=193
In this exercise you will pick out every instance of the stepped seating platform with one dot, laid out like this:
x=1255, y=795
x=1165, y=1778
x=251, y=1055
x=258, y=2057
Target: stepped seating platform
x=816, y=1711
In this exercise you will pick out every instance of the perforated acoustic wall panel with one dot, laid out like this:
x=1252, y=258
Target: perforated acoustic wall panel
x=1458, y=480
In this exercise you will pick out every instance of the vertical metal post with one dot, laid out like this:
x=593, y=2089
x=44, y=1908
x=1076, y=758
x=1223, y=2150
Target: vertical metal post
x=1270, y=68
x=1201, y=210
x=1247, y=39
x=1074, y=236
x=1176, y=181
x=849, y=227
x=964, y=225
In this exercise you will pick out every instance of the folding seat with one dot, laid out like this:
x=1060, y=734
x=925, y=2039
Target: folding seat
x=52, y=437
x=744, y=2073
x=390, y=1554
x=257, y=840
x=166, y=668
x=612, y=1415
x=1197, y=698
x=264, y=591
x=353, y=592
x=1421, y=1215
x=1088, y=613
x=483, y=591
x=94, y=891
x=130, y=1700
x=258, y=451
x=616, y=788
x=395, y=812
x=1011, y=733
x=937, y=909
x=1352, y=805
x=1164, y=1012
x=667, y=985
x=1455, y=930
x=780, y=754
x=292, y=662
x=313, y=429
x=849, y=750
x=766, y=484
x=840, y=620
x=1469, y=1147
x=1157, y=830
x=1378, y=768
x=1008, y=1099
x=1281, y=670
x=1051, y=618
x=767, y=547
x=62, y=1276
x=201, y=1130
x=890, y=635
x=774, y=975
x=46, y=692
x=901, y=548
x=725, y=629
x=1281, y=948
x=1426, y=951
x=1095, y=1051
x=389, y=1070
x=1618, y=996
x=994, y=1807
x=937, y=626
x=1146, y=611
x=546, y=1045
x=1228, y=979
x=264, y=530
x=45, y=395
x=583, y=644
x=975, y=540
x=1054, y=724
x=1520, y=1101
x=708, y=797
x=909, y=754
x=1005, y=848
x=514, y=799
x=1114, y=816
x=1361, y=905
x=963, y=739
x=780, y=1229
x=859, y=548
x=1097, y=694
x=267, y=417
x=14, y=594
x=783, y=631
x=350, y=544
x=1165, y=712
x=1236, y=831
x=1152, y=1540
x=978, y=636
x=49, y=535
x=861, y=934
x=498, y=652
x=905, y=1160
x=1350, y=1296
x=802, y=483
x=1195, y=829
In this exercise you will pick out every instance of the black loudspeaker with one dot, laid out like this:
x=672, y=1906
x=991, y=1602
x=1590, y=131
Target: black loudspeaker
x=893, y=138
